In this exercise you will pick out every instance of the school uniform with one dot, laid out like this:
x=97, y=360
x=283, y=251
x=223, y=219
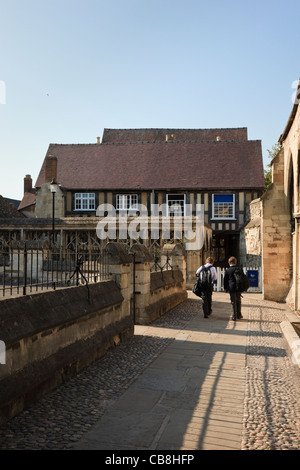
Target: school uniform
x=207, y=294
x=235, y=296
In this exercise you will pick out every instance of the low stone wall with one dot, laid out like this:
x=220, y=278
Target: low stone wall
x=167, y=291
x=49, y=337
x=158, y=292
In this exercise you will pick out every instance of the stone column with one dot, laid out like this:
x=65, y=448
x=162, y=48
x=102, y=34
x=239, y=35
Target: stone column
x=141, y=296
x=178, y=259
x=120, y=265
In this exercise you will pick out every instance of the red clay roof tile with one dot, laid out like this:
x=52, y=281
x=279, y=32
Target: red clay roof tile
x=159, y=135
x=159, y=165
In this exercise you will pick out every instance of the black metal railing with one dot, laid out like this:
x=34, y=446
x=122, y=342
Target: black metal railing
x=161, y=263
x=25, y=268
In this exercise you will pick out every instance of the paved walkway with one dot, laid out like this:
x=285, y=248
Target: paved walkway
x=183, y=383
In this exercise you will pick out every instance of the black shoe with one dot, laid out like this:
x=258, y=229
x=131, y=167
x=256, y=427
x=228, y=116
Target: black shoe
x=233, y=318
x=240, y=316
x=205, y=316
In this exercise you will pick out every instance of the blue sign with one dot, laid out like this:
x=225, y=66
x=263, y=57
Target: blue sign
x=253, y=277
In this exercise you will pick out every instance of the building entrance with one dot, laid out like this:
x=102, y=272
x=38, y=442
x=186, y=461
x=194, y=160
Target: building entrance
x=224, y=246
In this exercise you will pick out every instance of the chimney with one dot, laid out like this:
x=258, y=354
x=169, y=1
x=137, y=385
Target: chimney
x=27, y=184
x=50, y=168
x=98, y=140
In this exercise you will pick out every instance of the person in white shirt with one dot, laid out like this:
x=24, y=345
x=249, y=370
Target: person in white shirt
x=206, y=294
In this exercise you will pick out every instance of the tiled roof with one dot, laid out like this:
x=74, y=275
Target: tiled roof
x=14, y=202
x=7, y=210
x=160, y=165
x=160, y=135
x=27, y=201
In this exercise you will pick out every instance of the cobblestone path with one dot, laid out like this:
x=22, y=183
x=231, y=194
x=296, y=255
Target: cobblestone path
x=272, y=394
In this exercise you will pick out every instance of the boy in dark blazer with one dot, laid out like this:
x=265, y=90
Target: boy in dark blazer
x=230, y=286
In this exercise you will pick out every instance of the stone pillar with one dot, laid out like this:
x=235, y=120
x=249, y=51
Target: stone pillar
x=141, y=296
x=178, y=259
x=120, y=265
x=276, y=237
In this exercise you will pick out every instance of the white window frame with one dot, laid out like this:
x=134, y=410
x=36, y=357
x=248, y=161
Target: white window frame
x=216, y=217
x=85, y=202
x=179, y=201
x=126, y=202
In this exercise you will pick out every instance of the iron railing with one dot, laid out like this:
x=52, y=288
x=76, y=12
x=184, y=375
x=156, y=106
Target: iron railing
x=25, y=268
x=161, y=263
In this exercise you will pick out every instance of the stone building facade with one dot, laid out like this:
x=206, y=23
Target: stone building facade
x=276, y=223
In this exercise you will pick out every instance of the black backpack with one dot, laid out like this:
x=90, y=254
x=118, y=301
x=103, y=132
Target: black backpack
x=242, y=282
x=205, y=279
x=204, y=282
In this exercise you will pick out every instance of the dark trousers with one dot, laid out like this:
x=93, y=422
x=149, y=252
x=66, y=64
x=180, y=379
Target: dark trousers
x=236, y=302
x=206, y=302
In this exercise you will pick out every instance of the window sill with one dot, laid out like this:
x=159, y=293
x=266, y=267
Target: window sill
x=229, y=220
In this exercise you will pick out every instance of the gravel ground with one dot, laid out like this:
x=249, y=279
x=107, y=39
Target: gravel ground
x=272, y=395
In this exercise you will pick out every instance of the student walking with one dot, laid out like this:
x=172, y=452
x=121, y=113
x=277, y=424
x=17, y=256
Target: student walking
x=231, y=287
x=207, y=275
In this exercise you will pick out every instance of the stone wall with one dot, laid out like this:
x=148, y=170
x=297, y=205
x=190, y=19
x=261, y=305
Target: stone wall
x=250, y=237
x=44, y=202
x=157, y=292
x=167, y=290
x=49, y=337
x=268, y=236
x=290, y=141
x=276, y=236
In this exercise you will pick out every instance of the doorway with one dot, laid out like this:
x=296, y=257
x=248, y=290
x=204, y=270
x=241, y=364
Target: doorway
x=224, y=246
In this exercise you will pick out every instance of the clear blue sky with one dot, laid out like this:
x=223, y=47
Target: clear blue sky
x=68, y=69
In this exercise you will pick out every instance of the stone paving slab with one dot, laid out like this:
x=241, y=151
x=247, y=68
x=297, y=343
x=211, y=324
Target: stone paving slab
x=195, y=392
